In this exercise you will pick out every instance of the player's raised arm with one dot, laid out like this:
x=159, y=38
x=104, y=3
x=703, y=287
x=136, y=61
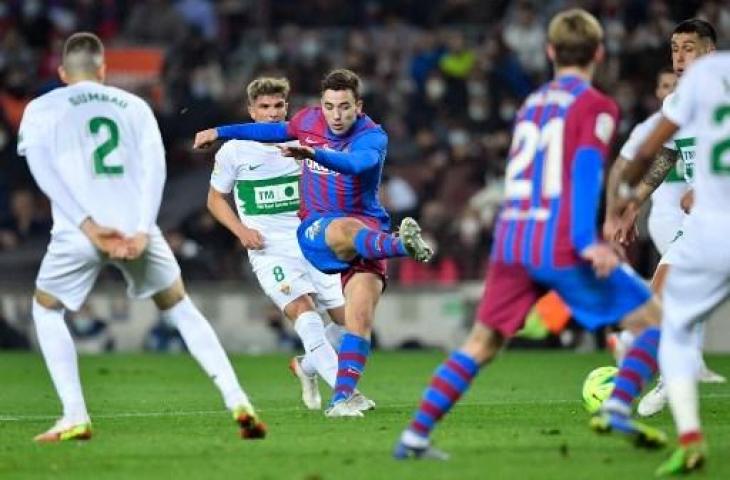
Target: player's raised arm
x=259, y=132
x=365, y=153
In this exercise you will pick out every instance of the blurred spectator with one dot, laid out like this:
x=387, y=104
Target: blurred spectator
x=25, y=221
x=525, y=35
x=155, y=22
x=91, y=333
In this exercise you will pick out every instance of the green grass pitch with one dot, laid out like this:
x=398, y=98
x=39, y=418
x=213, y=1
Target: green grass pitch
x=158, y=417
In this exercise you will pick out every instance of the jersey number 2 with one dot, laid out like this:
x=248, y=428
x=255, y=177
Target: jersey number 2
x=530, y=139
x=723, y=148
x=102, y=151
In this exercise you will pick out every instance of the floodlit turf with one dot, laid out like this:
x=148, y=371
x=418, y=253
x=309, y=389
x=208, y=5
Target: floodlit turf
x=158, y=417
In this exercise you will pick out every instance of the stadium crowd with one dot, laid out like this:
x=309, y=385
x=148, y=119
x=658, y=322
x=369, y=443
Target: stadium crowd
x=444, y=81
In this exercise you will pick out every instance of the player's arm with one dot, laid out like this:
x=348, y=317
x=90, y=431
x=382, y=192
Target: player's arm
x=259, y=132
x=220, y=208
x=365, y=153
x=43, y=169
x=643, y=165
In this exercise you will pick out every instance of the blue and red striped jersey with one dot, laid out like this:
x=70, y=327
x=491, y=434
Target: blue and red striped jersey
x=333, y=184
x=554, y=172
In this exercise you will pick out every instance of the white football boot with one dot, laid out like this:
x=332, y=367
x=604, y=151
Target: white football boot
x=343, y=409
x=654, y=401
x=310, y=386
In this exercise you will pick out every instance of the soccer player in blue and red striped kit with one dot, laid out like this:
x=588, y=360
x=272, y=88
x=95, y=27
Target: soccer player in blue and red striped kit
x=546, y=238
x=344, y=227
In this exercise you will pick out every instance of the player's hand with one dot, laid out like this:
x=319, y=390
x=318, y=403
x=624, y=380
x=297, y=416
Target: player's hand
x=687, y=201
x=620, y=224
x=251, y=239
x=603, y=258
x=205, y=138
x=135, y=246
x=104, y=238
x=296, y=151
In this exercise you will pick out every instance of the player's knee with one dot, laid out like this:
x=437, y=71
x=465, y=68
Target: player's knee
x=647, y=315
x=340, y=236
x=171, y=296
x=298, y=306
x=483, y=344
x=47, y=300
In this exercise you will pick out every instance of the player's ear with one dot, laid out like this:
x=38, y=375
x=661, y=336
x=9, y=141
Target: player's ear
x=101, y=72
x=358, y=106
x=251, y=111
x=550, y=51
x=600, y=54
x=62, y=74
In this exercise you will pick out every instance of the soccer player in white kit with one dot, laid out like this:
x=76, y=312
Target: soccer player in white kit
x=699, y=276
x=265, y=187
x=669, y=183
x=96, y=152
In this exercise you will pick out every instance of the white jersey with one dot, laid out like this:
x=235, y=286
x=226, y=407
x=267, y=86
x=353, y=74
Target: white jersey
x=266, y=190
x=101, y=148
x=665, y=201
x=702, y=103
x=683, y=142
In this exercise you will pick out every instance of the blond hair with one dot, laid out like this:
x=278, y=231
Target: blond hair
x=575, y=35
x=267, y=86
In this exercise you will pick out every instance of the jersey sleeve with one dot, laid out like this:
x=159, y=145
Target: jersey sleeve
x=154, y=169
x=637, y=136
x=33, y=128
x=294, y=125
x=365, y=153
x=223, y=175
x=598, y=125
x=679, y=108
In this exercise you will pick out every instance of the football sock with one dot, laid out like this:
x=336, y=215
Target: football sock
x=318, y=352
x=683, y=400
x=448, y=384
x=638, y=367
x=59, y=353
x=334, y=334
x=375, y=245
x=204, y=346
x=353, y=354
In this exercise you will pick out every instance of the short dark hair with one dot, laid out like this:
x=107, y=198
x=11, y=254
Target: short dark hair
x=82, y=52
x=702, y=28
x=342, y=79
x=665, y=70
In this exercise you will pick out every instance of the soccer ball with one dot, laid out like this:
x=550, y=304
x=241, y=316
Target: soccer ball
x=597, y=387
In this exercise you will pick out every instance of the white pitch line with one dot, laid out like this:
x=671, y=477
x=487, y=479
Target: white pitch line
x=388, y=406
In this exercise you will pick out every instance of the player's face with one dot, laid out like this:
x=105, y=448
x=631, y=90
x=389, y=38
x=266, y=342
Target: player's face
x=268, y=108
x=686, y=48
x=340, y=109
x=665, y=85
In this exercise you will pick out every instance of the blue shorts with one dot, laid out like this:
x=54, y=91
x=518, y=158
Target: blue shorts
x=311, y=237
x=596, y=302
x=512, y=289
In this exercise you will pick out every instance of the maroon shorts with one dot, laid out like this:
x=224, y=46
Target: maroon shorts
x=361, y=265
x=509, y=294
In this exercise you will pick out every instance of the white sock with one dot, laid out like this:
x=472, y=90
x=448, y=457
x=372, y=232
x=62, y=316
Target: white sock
x=334, y=332
x=204, y=346
x=59, y=354
x=683, y=400
x=319, y=353
x=307, y=365
x=679, y=361
x=627, y=338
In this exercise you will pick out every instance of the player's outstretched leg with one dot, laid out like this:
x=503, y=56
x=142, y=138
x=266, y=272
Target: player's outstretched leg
x=638, y=367
x=376, y=245
x=204, y=346
x=59, y=354
x=451, y=379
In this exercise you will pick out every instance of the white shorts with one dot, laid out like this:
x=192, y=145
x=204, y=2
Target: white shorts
x=699, y=276
x=284, y=277
x=72, y=263
x=663, y=229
